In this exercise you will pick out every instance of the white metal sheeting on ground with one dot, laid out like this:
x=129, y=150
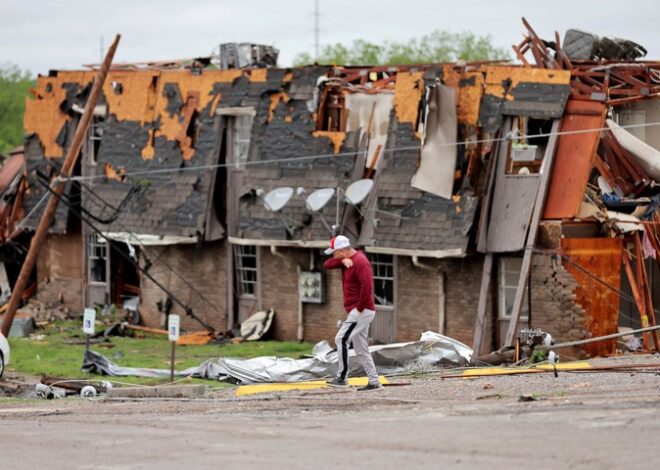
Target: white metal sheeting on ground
x=431, y=350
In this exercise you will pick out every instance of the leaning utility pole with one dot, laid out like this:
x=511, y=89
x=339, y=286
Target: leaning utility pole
x=57, y=189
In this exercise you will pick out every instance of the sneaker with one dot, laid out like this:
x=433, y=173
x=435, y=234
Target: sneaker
x=337, y=383
x=370, y=387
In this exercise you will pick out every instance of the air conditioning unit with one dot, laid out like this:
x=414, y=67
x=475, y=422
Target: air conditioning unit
x=234, y=55
x=523, y=153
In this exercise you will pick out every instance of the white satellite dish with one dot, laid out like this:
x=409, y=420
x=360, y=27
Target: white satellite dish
x=278, y=198
x=318, y=199
x=358, y=190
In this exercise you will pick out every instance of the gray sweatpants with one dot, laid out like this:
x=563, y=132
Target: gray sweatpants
x=356, y=330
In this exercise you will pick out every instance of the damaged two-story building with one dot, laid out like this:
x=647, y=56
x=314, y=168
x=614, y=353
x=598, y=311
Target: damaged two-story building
x=435, y=170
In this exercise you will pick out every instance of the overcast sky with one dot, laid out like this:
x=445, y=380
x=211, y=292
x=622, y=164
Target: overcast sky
x=39, y=35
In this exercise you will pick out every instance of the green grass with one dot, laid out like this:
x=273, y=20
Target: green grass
x=54, y=357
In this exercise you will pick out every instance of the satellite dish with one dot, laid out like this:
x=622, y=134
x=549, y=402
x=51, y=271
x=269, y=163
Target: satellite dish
x=319, y=199
x=358, y=190
x=278, y=198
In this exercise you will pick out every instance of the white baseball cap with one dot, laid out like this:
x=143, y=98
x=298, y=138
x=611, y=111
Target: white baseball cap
x=337, y=243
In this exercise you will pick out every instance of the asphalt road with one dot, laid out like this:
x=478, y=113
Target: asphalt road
x=600, y=421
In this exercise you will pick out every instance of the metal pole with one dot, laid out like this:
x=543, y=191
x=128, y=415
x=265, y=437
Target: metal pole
x=172, y=357
x=599, y=338
x=316, y=31
x=58, y=185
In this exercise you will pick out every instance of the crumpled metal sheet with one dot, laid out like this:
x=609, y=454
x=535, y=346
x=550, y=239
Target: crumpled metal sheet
x=430, y=351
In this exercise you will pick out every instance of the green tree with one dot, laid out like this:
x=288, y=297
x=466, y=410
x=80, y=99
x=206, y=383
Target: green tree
x=14, y=85
x=439, y=46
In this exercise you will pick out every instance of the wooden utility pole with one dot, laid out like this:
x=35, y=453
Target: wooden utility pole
x=57, y=187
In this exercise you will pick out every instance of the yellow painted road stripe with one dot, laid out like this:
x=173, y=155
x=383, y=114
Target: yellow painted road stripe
x=286, y=387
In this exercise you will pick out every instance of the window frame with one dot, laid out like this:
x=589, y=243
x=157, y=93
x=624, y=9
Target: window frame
x=94, y=134
x=93, y=244
x=241, y=136
x=503, y=287
x=380, y=262
x=241, y=271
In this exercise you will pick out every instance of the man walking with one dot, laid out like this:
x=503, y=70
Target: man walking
x=357, y=282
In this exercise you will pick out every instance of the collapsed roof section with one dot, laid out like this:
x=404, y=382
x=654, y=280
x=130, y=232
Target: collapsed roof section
x=187, y=150
x=309, y=127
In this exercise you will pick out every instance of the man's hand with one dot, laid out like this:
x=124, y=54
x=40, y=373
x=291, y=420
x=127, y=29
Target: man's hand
x=347, y=262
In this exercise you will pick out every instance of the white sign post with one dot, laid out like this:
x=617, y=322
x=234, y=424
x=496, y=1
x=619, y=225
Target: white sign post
x=89, y=324
x=173, y=322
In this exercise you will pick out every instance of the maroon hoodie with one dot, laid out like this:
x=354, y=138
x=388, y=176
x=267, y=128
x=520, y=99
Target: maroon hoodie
x=357, y=282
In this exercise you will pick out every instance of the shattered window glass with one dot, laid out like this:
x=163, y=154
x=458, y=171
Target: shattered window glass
x=97, y=253
x=246, y=269
x=383, y=268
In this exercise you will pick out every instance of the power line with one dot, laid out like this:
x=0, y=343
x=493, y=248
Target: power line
x=186, y=308
x=133, y=236
x=350, y=154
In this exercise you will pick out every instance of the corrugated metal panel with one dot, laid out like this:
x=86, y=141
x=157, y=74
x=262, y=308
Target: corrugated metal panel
x=383, y=328
x=601, y=259
x=574, y=159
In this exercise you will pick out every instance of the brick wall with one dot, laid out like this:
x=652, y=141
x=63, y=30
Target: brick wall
x=205, y=269
x=418, y=300
x=59, y=271
x=553, y=302
x=279, y=290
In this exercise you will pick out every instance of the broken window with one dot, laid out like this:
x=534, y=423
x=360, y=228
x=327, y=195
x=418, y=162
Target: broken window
x=94, y=136
x=97, y=253
x=383, y=268
x=509, y=275
x=247, y=272
x=331, y=114
x=242, y=131
x=528, y=146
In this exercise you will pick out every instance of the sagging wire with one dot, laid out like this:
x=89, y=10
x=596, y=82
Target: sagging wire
x=149, y=262
x=186, y=308
x=505, y=138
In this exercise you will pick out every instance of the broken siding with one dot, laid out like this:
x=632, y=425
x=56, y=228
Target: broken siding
x=522, y=91
x=412, y=219
x=154, y=121
x=284, y=128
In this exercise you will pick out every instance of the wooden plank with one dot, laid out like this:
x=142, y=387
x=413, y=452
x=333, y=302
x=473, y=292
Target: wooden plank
x=482, y=234
x=546, y=172
x=480, y=325
x=575, y=155
x=644, y=287
x=641, y=305
x=599, y=258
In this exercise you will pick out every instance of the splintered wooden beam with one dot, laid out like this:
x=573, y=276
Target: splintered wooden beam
x=644, y=281
x=539, y=203
x=639, y=301
x=480, y=325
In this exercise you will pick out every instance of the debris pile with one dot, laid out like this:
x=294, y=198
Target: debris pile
x=431, y=351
